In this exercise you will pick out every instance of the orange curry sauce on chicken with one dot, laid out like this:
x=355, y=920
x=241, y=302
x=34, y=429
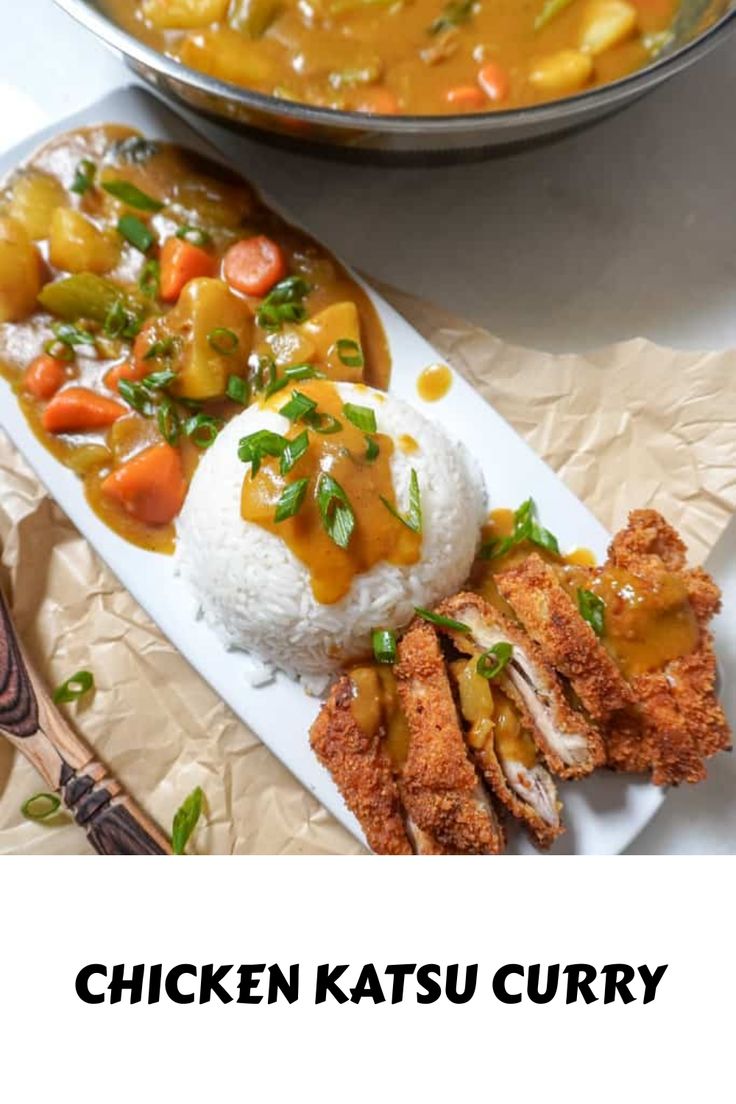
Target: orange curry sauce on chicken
x=146, y=297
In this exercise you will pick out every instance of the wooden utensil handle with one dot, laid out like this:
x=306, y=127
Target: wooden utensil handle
x=113, y=822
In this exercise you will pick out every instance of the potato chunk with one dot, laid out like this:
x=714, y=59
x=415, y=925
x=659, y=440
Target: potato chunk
x=229, y=56
x=168, y=15
x=204, y=307
x=335, y=333
x=36, y=196
x=20, y=271
x=561, y=73
x=76, y=245
x=606, y=23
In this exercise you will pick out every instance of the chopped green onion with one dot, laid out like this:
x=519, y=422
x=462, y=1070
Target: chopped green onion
x=223, y=341
x=491, y=663
x=384, y=645
x=294, y=451
x=255, y=446
x=194, y=235
x=361, y=416
x=58, y=350
x=69, y=334
x=413, y=519
x=41, y=806
x=291, y=500
x=453, y=14
x=526, y=528
x=298, y=407
x=593, y=610
x=550, y=9
x=323, y=423
x=157, y=381
x=84, y=177
x=202, y=430
x=137, y=397
x=131, y=196
x=441, y=621
x=371, y=449
x=335, y=510
x=238, y=389
x=121, y=322
x=283, y=303
x=169, y=422
x=150, y=279
x=350, y=353
x=74, y=687
x=296, y=372
x=161, y=350
x=185, y=820
x=136, y=232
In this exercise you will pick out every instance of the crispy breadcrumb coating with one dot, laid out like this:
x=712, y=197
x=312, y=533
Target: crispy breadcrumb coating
x=569, y=744
x=567, y=642
x=439, y=785
x=361, y=768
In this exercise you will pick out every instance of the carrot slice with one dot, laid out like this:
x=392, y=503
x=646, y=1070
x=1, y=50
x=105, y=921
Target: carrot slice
x=181, y=262
x=494, y=80
x=465, y=97
x=128, y=370
x=76, y=409
x=254, y=265
x=150, y=486
x=44, y=376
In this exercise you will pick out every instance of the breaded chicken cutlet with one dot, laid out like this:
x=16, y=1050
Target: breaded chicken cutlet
x=591, y=666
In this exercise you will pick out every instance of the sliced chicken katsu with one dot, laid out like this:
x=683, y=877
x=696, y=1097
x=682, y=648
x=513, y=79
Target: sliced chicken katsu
x=348, y=738
x=567, y=642
x=570, y=745
x=440, y=788
x=498, y=733
x=657, y=615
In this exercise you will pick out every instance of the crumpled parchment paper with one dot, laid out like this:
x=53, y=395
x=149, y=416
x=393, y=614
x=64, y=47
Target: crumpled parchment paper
x=630, y=425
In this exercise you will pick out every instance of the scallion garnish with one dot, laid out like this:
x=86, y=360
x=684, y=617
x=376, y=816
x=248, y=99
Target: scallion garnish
x=350, y=352
x=194, y=235
x=41, y=806
x=161, y=350
x=202, y=430
x=131, y=196
x=149, y=280
x=169, y=422
x=137, y=397
x=323, y=423
x=441, y=621
x=294, y=450
x=593, y=610
x=296, y=372
x=84, y=177
x=223, y=341
x=74, y=687
x=298, y=407
x=58, y=350
x=136, y=232
x=121, y=321
x=335, y=510
x=526, y=528
x=255, y=446
x=413, y=518
x=238, y=389
x=361, y=416
x=284, y=303
x=291, y=500
x=550, y=9
x=185, y=820
x=371, y=448
x=69, y=334
x=492, y=662
x=157, y=381
x=384, y=645
x=453, y=14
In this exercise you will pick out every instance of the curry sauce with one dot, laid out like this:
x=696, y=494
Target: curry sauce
x=363, y=478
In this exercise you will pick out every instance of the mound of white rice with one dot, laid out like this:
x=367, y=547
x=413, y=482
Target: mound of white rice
x=258, y=596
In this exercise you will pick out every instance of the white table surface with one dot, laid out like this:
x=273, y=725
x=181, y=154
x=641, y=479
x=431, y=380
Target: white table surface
x=624, y=229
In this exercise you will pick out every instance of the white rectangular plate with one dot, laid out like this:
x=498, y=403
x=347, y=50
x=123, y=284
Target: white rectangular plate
x=603, y=813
